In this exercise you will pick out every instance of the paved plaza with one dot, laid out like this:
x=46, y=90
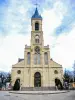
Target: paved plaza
x=5, y=95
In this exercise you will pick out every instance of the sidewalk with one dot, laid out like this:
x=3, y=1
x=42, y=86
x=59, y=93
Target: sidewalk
x=38, y=92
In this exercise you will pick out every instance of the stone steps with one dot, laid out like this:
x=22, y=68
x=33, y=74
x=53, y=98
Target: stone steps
x=37, y=88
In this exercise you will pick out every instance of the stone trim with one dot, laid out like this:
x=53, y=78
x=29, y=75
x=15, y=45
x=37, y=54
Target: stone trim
x=38, y=88
x=18, y=67
x=55, y=67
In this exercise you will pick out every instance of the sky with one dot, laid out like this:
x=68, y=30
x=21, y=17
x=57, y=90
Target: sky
x=58, y=29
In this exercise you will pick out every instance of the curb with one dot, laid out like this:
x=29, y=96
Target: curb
x=39, y=93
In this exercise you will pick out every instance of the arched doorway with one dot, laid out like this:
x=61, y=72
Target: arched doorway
x=58, y=83
x=37, y=79
x=17, y=85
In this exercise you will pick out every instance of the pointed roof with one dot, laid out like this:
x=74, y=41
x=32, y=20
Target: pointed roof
x=36, y=15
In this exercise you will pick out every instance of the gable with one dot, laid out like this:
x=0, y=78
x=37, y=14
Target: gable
x=54, y=64
x=19, y=64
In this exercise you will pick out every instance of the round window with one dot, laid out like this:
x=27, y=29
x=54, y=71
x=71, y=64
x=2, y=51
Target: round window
x=19, y=72
x=55, y=72
x=37, y=49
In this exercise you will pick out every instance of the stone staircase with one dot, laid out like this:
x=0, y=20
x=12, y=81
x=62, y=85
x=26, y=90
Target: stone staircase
x=37, y=88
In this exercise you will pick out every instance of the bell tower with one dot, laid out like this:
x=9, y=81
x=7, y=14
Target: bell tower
x=36, y=33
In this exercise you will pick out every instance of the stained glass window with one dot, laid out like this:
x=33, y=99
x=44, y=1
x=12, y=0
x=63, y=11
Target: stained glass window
x=28, y=58
x=37, y=59
x=46, y=58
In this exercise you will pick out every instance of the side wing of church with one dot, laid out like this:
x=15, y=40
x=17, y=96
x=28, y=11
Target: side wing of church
x=37, y=69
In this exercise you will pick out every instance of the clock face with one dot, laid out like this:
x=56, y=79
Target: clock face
x=37, y=49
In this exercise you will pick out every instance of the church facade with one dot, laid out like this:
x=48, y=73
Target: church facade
x=37, y=69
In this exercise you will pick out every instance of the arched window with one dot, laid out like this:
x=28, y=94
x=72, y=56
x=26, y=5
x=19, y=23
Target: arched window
x=36, y=39
x=37, y=56
x=28, y=58
x=46, y=58
x=38, y=59
x=36, y=26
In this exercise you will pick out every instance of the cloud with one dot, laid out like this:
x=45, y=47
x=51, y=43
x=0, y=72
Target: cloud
x=64, y=49
x=14, y=32
x=12, y=48
x=4, y=2
x=58, y=28
x=50, y=21
x=14, y=18
x=68, y=18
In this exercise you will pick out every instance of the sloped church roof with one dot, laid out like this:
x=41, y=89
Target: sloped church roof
x=36, y=15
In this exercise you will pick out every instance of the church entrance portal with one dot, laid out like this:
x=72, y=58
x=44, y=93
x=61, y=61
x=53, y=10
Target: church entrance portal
x=37, y=79
x=17, y=85
x=58, y=84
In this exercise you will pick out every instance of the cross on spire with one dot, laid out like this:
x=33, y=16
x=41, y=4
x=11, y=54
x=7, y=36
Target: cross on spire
x=36, y=13
x=36, y=4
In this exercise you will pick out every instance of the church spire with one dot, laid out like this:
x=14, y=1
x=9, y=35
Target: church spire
x=36, y=15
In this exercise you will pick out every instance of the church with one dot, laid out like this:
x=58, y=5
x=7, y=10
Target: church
x=37, y=69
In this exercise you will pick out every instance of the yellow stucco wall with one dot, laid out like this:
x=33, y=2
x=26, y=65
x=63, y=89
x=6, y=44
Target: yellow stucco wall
x=47, y=75
x=27, y=71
